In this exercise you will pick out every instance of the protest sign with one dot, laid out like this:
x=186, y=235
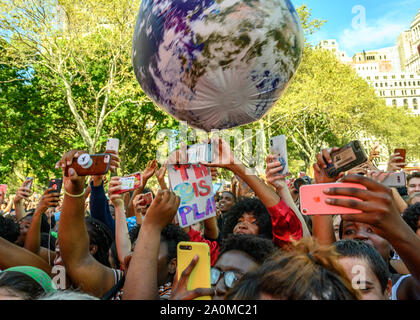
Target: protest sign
x=192, y=183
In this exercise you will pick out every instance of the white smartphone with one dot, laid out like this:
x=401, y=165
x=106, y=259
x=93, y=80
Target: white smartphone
x=113, y=144
x=397, y=179
x=199, y=153
x=278, y=147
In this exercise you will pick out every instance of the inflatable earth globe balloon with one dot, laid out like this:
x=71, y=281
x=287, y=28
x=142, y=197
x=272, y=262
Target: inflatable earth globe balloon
x=216, y=64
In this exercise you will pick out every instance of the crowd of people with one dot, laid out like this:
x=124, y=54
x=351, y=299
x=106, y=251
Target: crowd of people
x=92, y=242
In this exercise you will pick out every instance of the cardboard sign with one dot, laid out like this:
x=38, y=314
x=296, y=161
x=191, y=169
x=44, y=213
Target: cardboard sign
x=192, y=183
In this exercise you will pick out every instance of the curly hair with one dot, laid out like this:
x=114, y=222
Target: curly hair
x=172, y=235
x=9, y=229
x=250, y=205
x=101, y=236
x=257, y=247
x=411, y=216
x=307, y=272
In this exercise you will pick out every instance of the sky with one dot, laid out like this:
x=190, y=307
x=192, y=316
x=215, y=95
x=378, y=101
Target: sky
x=359, y=25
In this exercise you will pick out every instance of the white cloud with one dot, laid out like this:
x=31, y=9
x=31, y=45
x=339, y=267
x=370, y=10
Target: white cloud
x=373, y=35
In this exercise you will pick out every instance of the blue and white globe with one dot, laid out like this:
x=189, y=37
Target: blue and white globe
x=216, y=64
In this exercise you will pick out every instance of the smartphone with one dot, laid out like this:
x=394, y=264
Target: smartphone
x=113, y=144
x=90, y=165
x=402, y=153
x=312, y=199
x=396, y=179
x=56, y=184
x=346, y=158
x=147, y=199
x=199, y=153
x=3, y=188
x=278, y=147
x=130, y=182
x=200, y=276
x=28, y=182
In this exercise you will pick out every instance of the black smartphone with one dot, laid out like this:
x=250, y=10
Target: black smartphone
x=56, y=184
x=346, y=158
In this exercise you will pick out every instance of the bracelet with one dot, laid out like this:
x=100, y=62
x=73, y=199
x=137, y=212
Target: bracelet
x=73, y=195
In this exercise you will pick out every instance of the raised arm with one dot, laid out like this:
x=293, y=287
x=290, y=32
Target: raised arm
x=122, y=237
x=82, y=268
x=284, y=221
x=141, y=280
x=278, y=181
x=33, y=237
x=22, y=194
x=98, y=203
x=322, y=225
x=12, y=255
x=146, y=175
x=381, y=213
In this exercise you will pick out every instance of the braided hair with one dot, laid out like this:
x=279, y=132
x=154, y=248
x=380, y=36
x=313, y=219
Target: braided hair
x=101, y=236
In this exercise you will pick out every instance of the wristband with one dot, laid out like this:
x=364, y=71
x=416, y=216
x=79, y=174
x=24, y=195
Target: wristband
x=73, y=195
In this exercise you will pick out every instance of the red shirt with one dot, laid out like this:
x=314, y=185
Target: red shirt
x=195, y=236
x=286, y=225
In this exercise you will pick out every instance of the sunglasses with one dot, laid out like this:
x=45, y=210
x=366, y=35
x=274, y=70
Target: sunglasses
x=230, y=277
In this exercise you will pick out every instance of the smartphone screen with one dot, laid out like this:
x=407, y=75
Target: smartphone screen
x=130, y=182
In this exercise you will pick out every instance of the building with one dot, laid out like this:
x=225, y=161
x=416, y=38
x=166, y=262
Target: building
x=400, y=89
x=332, y=46
x=408, y=46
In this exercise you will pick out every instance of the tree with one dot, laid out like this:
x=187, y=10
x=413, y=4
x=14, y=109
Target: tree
x=82, y=48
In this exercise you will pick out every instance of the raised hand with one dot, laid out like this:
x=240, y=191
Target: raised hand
x=377, y=205
x=117, y=199
x=73, y=184
x=393, y=165
x=49, y=200
x=272, y=172
x=323, y=159
x=163, y=209
x=23, y=193
x=150, y=169
x=180, y=291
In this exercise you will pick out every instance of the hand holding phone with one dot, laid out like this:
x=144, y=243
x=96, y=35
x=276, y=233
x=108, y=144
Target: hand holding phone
x=56, y=184
x=28, y=183
x=312, y=199
x=90, y=165
x=197, y=272
x=130, y=183
x=278, y=147
x=346, y=158
x=401, y=153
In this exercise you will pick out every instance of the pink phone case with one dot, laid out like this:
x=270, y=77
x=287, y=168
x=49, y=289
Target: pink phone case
x=312, y=199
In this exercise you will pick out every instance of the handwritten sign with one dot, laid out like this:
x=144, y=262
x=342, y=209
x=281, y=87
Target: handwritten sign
x=192, y=183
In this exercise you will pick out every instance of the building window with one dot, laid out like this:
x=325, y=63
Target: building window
x=405, y=103
x=393, y=77
x=415, y=104
x=394, y=102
